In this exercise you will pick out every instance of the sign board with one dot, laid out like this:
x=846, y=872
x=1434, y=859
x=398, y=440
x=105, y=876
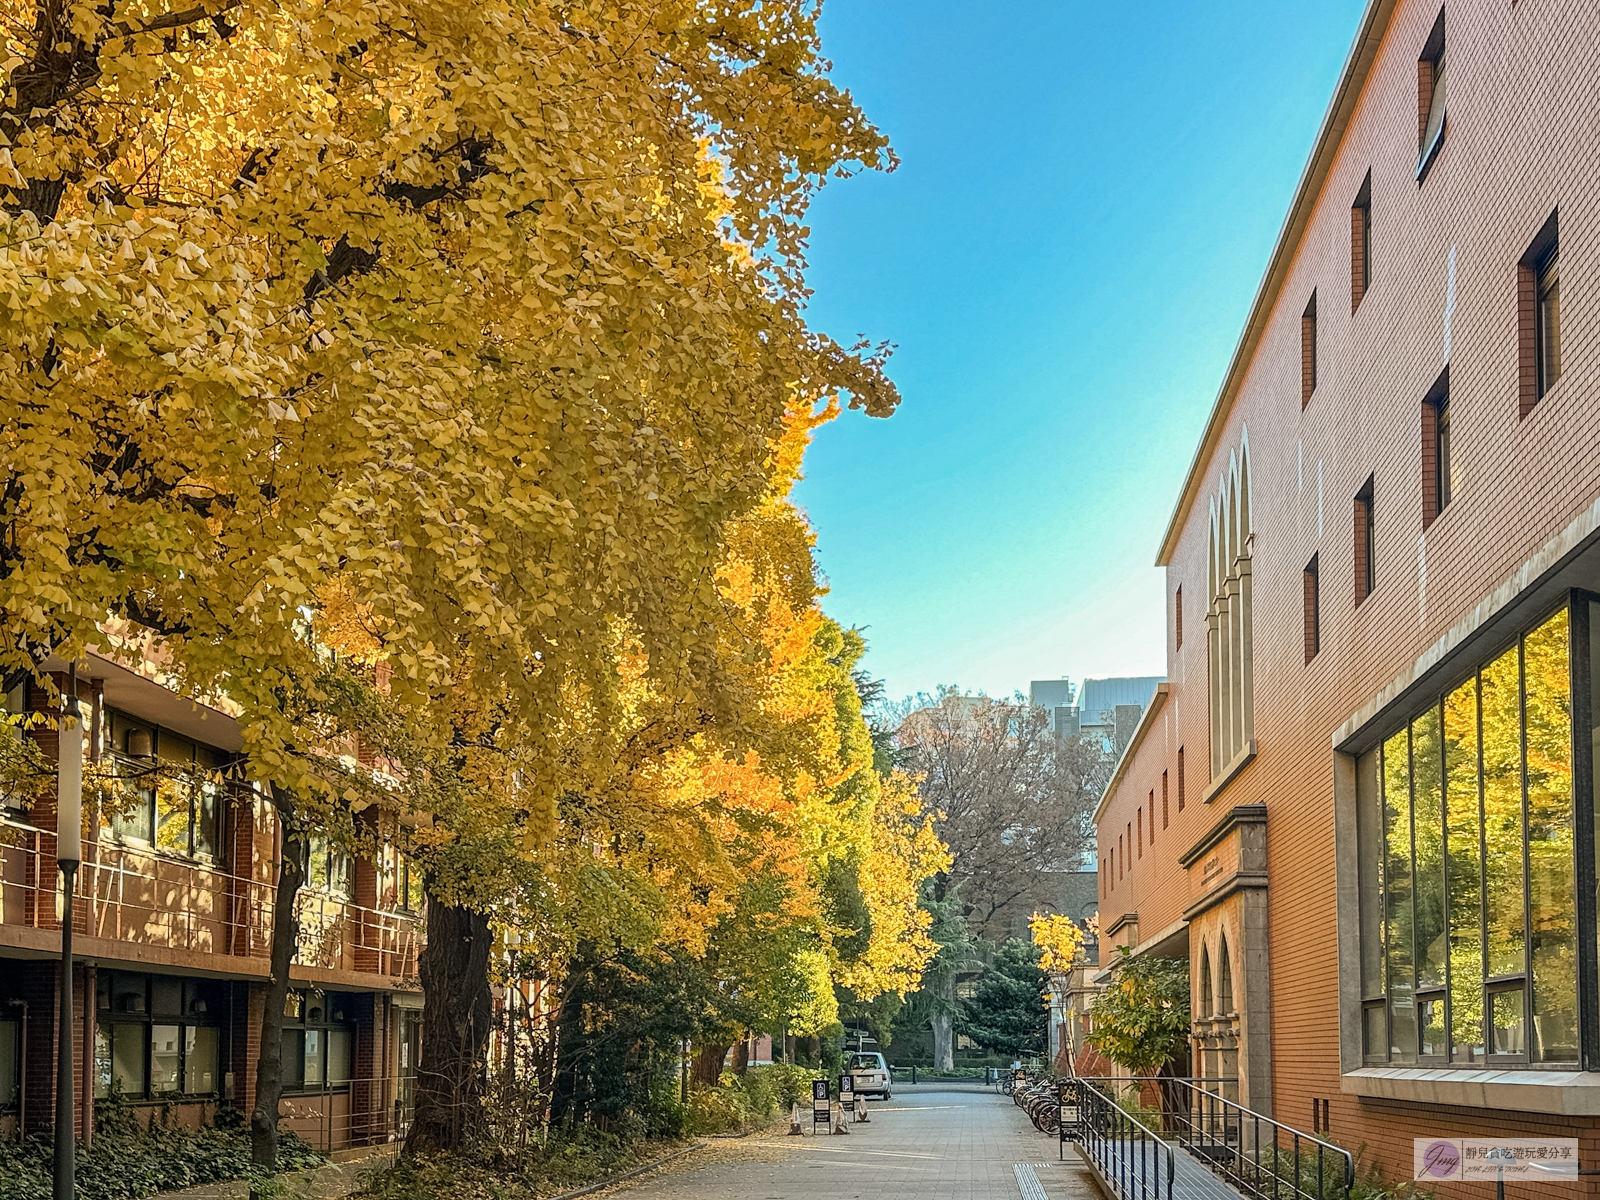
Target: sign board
x=821, y=1109
x=1488, y=1159
x=847, y=1085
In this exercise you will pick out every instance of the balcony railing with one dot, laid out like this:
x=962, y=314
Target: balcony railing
x=132, y=894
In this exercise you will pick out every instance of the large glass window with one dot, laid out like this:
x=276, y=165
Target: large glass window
x=328, y=868
x=1466, y=832
x=162, y=789
x=157, y=1036
x=318, y=1041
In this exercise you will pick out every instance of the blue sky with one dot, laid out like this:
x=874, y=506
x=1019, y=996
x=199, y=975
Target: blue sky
x=1088, y=196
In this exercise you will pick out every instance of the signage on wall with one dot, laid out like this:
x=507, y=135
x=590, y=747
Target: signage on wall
x=1438, y=1160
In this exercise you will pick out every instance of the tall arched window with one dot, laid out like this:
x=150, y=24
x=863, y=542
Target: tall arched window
x=1205, y=982
x=1224, y=980
x=1228, y=620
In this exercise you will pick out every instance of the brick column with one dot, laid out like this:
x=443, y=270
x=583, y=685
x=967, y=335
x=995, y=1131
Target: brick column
x=244, y=1044
x=364, y=886
x=241, y=860
x=367, y=1119
x=43, y=886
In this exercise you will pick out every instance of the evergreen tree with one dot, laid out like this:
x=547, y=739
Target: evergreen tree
x=1007, y=1012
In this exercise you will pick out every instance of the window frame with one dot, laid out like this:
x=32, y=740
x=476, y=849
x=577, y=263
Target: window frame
x=1546, y=378
x=1437, y=468
x=1312, y=586
x=108, y=1019
x=1308, y=352
x=1366, y=539
x=1432, y=82
x=1534, y=380
x=335, y=865
x=296, y=1024
x=144, y=773
x=1582, y=675
x=1361, y=244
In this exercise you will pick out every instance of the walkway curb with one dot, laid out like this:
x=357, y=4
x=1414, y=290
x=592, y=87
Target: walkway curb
x=623, y=1176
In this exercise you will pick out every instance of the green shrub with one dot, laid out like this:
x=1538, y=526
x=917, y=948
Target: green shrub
x=127, y=1161
x=542, y=1168
x=790, y=1084
x=718, y=1110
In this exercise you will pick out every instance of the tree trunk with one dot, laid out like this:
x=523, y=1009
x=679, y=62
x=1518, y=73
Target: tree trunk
x=708, y=1065
x=569, y=1091
x=741, y=1056
x=944, y=1042
x=456, y=1017
x=285, y=934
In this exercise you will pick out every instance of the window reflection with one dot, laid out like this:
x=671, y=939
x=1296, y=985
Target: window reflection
x=1502, y=814
x=1551, y=885
x=1463, y=836
x=164, y=1058
x=1397, y=892
x=1474, y=787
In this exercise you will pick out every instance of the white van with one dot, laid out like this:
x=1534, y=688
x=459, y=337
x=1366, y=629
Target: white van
x=871, y=1074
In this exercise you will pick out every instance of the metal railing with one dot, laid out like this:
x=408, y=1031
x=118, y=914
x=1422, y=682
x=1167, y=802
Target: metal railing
x=1260, y=1157
x=1132, y=1159
x=363, y=1112
x=133, y=894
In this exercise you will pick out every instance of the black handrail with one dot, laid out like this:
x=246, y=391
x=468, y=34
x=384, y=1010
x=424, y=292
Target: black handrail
x=1130, y=1157
x=1262, y=1158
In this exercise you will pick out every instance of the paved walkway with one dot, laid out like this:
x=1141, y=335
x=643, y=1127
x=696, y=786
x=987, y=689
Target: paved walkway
x=934, y=1141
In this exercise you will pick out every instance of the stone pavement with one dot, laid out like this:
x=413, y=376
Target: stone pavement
x=934, y=1141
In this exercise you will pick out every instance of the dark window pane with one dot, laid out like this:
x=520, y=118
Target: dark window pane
x=1446, y=482
x=127, y=1059
x=9, y=1033
x=1552, y=885
x=293, y=1058
x=207, y=819
x=166, y=995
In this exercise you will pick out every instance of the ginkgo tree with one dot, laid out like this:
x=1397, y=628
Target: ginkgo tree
x=488, y=315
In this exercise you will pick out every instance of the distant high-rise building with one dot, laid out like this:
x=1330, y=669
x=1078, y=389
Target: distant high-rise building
x=1109, y=709
x=1055, y=697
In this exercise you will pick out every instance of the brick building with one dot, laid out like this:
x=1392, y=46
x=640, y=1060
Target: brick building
x=173, y=923
x=1363, y=807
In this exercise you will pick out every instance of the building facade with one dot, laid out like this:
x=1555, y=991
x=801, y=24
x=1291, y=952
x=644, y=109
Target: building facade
x=172, y=929
x=1363, y=807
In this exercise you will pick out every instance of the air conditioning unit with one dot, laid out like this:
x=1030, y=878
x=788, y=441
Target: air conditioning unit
x=133, y=1002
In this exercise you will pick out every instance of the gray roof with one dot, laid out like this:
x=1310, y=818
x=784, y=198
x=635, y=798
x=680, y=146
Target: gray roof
x=1097, y=696
x=1050, y=693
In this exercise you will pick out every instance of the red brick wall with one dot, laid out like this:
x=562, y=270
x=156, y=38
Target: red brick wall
x=1524, y=83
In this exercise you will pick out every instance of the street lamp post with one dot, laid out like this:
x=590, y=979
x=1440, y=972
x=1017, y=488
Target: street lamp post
x=69, y=836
